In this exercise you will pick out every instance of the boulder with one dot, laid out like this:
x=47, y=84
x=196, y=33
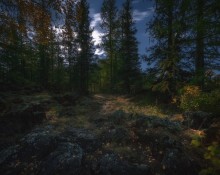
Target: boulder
x=147, y=122
x=47, y=151
x=157, y=140
x=8, y=154
x=39, y=143
x=111, y=164
x=22, y=118
x=85, y=138
x=43, y=151
x=176, y=162
x=65, y=159
x=118, y=135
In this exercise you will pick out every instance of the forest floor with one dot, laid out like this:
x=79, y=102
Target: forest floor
x=137, y=131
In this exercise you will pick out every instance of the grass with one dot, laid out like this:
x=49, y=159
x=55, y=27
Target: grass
x=144, y=110
x=150, y=104
x=74, y=116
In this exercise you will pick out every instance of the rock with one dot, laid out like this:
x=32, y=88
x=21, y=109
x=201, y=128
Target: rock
x=176, y=162
x=158, y=140
x=147, y=122
x=78, y=151
x=46, y=151
x=118, y=135
x=85, y=138
x=65, y=159
x=8, y=153
x=137, y=169
x=110, y=164
x=43, y=151
x=34, y=146
x=39, y=143
x=22, y=118
x=197, y=120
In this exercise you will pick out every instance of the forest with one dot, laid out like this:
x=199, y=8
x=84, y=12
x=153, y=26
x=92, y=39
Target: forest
x=64, y=109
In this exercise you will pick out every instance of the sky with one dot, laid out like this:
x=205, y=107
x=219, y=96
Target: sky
x=142, y=13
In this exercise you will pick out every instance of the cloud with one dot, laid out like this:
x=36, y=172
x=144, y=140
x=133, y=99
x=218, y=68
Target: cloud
x=95, y=23
x=97, y=33
x=97, y=36
x=96, y=19
x=99, y=52
x=141, y=15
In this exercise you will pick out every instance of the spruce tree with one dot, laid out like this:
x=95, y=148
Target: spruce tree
x=204, y=36
x=69, y=42
x=129, y=67
x=85, y=46
x=110, y=26
x=167, y=28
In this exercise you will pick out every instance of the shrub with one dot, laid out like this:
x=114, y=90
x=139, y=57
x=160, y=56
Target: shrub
x=188, y=97
x=212, y=154
x=193, y=98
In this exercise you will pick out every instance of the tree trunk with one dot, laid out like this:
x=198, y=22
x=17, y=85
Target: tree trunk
x=199, y=59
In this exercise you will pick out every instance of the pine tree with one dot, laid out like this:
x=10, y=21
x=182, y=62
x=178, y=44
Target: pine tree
x=13, y=41
x=69, y=41
x=129, y=67
x=167, y=28
x=110, y=27
x=204, y=37
x=85, y=48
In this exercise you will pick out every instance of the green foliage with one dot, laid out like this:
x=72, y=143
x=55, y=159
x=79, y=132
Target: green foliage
x=192, y=98
x=210, y=102
x=188, y=98
x=165, y=56
x=184, y=37
x=213, y=155
x=120, y=71
x=33, y=51
x=197, y=140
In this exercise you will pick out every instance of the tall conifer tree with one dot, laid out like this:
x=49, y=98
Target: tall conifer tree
x=129, y=70
x=167, y=28
x=110, y=26
x=85, y=46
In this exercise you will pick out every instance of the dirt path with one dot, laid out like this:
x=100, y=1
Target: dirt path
x=110, y=104
x=89, y=111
